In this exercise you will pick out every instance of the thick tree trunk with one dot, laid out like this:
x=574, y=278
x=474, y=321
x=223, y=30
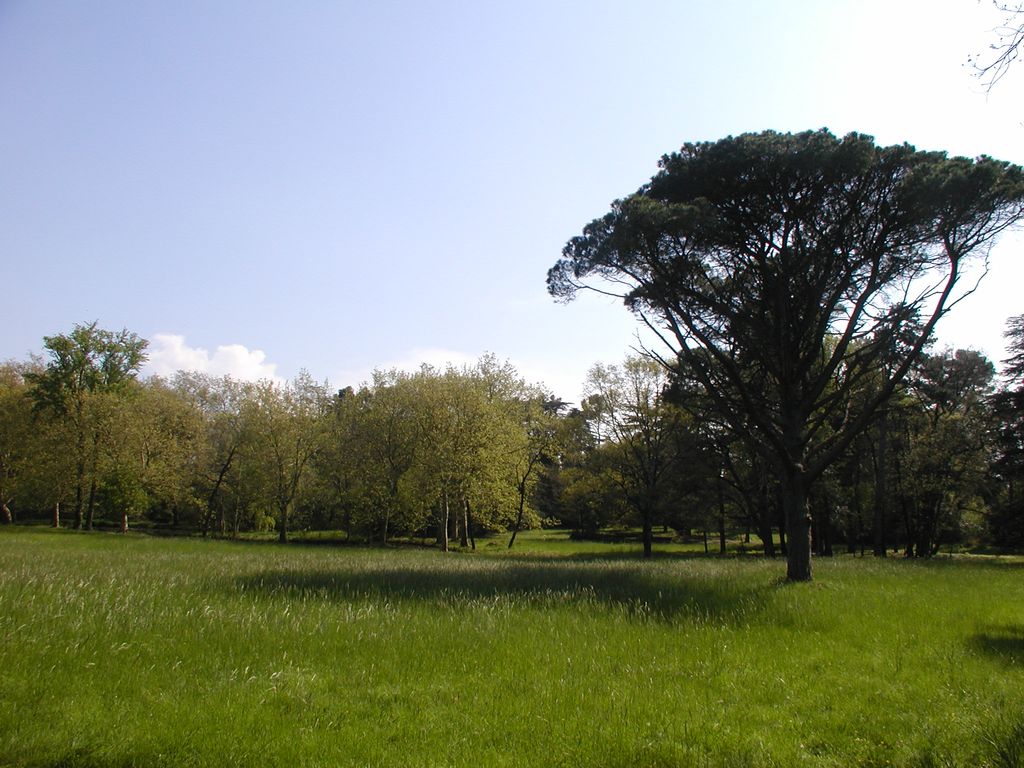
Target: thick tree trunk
x=282, y=528
x=798, y=528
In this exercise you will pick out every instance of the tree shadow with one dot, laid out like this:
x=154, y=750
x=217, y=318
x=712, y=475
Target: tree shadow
x=660, y=594
x=1003, y=641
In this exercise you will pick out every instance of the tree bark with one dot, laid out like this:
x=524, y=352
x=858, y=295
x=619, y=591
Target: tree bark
x=798, y=527
x=442, y=524
x=56, y=515
x=464, y=525
x=91, y=508
x=648, y=534
x=469, y=526
x=721, y=518
x=881, y=517
x=282, y=531
x=520, y=513
x=124, y=522
x=8, y=517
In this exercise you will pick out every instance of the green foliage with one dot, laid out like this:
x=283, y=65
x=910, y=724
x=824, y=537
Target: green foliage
x=781, y=270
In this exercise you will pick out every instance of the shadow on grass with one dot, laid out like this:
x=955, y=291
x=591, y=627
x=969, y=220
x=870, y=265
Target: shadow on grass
x=542, y=583
x=1005, y=642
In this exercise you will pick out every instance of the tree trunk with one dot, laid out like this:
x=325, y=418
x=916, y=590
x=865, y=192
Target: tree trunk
x=520, y=513
x=464, y=525
x=648, y=534
x=91, y=509
x=79, y=476
x=705, y=532
x=56, y=515
x=442, y=524
x=7, y=516
x=469, y=526
x=282, y=530
x=881, y=521
x=764, y=522
x=124, y=522
x=721, y=518
x=798, y=528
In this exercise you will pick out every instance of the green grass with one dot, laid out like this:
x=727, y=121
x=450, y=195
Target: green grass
x=134, y=651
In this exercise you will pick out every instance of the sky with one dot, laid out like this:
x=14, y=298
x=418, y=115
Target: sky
x=262, y=187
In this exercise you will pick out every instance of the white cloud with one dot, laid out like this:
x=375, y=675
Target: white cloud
x=411, y=362
x=168, y=353
x=565, y=382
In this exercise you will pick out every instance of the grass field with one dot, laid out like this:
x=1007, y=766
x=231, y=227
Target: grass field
x=135, y=651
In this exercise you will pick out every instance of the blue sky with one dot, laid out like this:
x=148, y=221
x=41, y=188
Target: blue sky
x=259, y=187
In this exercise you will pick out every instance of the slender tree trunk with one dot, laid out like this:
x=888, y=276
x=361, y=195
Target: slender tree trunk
x=124, y=522
x=764, y=521
x=881, y=521
x=520, y=513
x=464, y=525
x=469, y=526
x=7, y=516
x=79, y=475
x=705, y=532
x=91, y=509
x=798, y=527
x=56, y=515
x=721, y=518
x=80, y=497
x=648, y=534
x=442, y=524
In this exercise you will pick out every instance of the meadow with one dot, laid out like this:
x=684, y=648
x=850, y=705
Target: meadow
x=138, y=651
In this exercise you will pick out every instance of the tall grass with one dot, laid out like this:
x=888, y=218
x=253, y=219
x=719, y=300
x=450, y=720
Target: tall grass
x=121, y=651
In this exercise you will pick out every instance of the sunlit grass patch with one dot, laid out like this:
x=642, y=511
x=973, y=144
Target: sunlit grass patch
x=137, y=651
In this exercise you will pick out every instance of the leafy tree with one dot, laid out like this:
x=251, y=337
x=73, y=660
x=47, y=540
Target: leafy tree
x=221, y=405
x=537, y=447
x=1007, y=520
x=164, y=436
x=16, y=436
x=643, y=430
x=287, y=423
x=83, y=367
x=778, y=268
x=943, y=455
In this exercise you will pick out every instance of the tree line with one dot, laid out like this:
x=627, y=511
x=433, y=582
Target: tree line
x=453, y=454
